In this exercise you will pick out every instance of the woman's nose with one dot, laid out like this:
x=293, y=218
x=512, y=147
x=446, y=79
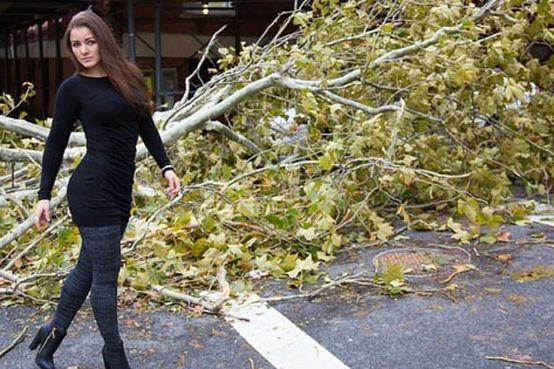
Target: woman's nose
x=84, y=49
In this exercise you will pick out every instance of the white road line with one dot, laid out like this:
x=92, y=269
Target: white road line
x=544, y=213
x=277, y=339
x=544, y=219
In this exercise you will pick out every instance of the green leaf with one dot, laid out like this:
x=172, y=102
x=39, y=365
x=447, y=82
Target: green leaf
x=199, y=247
x=289, y=262
x=535, y=274
x=304, y=265
x=388, y=27
x=308, y=233
x=326, y=162
x=247, y=208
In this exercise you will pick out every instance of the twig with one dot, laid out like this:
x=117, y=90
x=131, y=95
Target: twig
x=373, y=161
x=517, y=361
x=9, y=276
x=8, y=291
x=24, y=96
x=355, y=37
x=533, y=242
x=237, y=137
x=253, y=227
x=23, y=210
x=459, y=269
x=252, y=365
x=204, y=186
x=508, y=18
x=215, y=307
x=200, y=63
x=349, y=102
x=12, y=176
x=31, y=159
x=28, y=223
x=35, y=242
x=431, y=291
x=225, y=288
x=180, y=296
x=58, y=274
x=209, y=308
x=395, y=131
x=282, y=27
x=381, y=242
x=352, y=216
x=309, y=295
x=16, y=193
x=14, y=343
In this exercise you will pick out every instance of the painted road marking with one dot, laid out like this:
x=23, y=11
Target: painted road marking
x=544, y=219
x=276, y=338
x=281, y=342
x=544, y=214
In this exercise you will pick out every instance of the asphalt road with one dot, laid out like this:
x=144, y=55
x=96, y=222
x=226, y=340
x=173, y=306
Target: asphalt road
x=488, y=312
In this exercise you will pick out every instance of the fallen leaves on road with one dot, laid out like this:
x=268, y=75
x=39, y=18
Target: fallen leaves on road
x=458, y=269
x=517, y=298
x=503, y=236
x=532, y=275
x=194, y=343
x=504, y=258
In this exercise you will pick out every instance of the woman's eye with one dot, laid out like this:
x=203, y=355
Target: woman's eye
x=74, y=45
x=91, y=42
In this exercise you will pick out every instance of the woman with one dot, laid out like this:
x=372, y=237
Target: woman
x=109, y=97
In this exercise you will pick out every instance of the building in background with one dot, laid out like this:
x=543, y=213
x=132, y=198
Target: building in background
x=165, y=38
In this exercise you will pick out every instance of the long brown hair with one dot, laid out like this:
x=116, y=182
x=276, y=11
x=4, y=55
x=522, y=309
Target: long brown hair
x=124, y=76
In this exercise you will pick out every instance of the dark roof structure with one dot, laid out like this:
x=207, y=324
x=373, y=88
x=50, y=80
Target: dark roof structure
x=21, y=13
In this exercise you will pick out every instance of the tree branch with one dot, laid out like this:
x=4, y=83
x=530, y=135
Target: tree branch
x=28, y=223
x=12, y=155
x=200, y=63
x=35, y=242
x=15, y=342
x=17, y=195
x=25, y=128
x=356, y=105
x=9, y=276
x=399, y=53
x=237, y=137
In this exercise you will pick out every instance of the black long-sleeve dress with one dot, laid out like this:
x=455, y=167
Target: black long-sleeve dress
x=99, y=190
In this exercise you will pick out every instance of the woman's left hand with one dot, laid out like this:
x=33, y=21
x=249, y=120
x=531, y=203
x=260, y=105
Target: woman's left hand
x=173, y=182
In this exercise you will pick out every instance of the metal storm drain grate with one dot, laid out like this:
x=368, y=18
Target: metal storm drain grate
x=421, y=262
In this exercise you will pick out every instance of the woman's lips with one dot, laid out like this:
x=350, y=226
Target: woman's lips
x=86, y=60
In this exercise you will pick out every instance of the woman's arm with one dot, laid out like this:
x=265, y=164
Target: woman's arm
x=151, y=138
x=65, y=113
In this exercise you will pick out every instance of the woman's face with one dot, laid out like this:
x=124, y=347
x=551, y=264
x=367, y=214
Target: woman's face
x=84, y=47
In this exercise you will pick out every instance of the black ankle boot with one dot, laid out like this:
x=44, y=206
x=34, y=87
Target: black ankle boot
x=49, y=338
x=114, y=358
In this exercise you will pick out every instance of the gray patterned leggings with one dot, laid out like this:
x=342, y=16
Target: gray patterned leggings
x=96, y=271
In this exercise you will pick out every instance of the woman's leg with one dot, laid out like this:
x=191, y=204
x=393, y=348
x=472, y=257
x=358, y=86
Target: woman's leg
x=75, y=290
x=103, y=244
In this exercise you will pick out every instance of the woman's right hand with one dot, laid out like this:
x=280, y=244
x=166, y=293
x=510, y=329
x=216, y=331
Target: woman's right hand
x=42, y=214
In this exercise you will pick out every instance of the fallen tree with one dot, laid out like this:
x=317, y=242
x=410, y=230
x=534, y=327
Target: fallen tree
x=369, y=113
